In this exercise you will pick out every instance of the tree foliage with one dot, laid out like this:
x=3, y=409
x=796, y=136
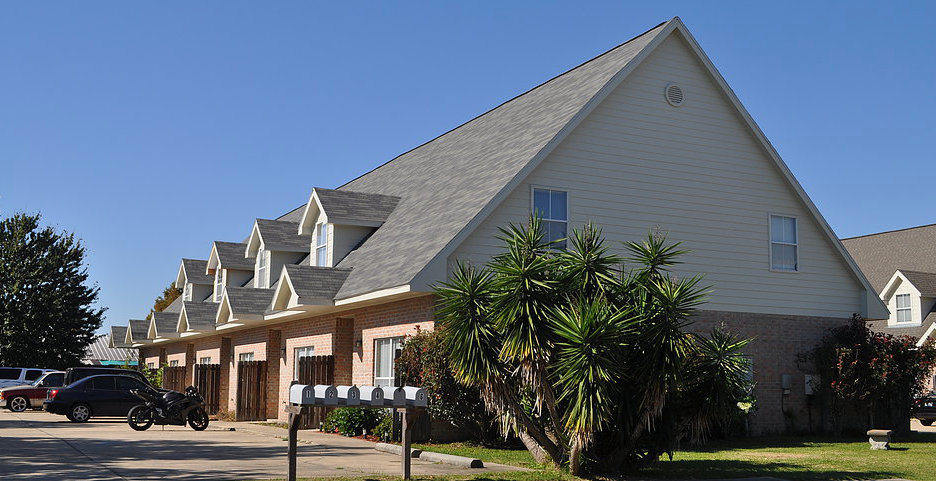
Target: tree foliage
x=47, y=313
x=169, y=294
x=874, y=375
x=590, y=363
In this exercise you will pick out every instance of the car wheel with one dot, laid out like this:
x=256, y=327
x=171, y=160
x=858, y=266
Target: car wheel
x=198, y=419
x=18, y=404
x=928, y=422
x=79, y=413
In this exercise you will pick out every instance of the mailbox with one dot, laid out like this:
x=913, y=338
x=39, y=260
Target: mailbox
x=371, y=396
x=415, y=396
x=301, y=394
x=397, y=396
x=326, y=395
x=348, y=395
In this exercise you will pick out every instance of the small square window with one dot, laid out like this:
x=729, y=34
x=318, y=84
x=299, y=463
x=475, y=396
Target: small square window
x=204, y=360
x=245, y=357
x=174, y=363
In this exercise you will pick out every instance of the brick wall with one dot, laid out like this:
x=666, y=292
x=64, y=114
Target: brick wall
x=778, y=340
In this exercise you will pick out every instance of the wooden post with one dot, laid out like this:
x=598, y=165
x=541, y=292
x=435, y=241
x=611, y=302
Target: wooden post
x=409, y=416
x=294, y=416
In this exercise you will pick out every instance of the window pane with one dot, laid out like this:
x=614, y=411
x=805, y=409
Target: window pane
x=789, y=230
x=125, y=383
x=321, y=256
x=103, y=383
x=557, y=205
x=7, y=373
x=541, y=203
x=903, y=315
x=776, y=228
x=903, y=300
x=53, y=380
x=556, y=231
x=783, y=256
x=33, y=374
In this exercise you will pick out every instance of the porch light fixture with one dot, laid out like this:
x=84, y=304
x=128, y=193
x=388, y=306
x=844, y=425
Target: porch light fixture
x=358, y=344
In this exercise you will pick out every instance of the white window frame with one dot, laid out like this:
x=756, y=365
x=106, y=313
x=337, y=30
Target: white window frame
x=174, y=363
x=262, y=269
x=204, y=360
x=245, y=357
x=771, y=242
x=151, y=365
x=533, y=189
x=187, y=291
x=384, y=380
x=219, y=285
x=321, y=244
x=908, y=309
x=299, y=352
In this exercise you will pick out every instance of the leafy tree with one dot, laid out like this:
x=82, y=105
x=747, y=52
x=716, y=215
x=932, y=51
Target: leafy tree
x=47, y=313
x=170, y=293
x=424, y=362
x=589, y=363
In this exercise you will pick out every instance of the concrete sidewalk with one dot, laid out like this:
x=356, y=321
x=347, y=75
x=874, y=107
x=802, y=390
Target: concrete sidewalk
x=41, y=446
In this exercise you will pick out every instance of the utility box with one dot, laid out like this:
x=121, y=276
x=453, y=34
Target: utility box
x=371, y=396
x=326, y=395
x=415, y=396
x=348, y=395
x=301, y=394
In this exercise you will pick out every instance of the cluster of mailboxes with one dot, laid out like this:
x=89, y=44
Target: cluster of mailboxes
x=325, y=395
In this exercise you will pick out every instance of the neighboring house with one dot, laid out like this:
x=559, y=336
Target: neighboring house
x=111, y=350
x=901, y=265
x=647, y=136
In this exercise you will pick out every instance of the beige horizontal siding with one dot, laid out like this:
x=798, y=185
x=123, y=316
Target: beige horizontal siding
x=695, y=172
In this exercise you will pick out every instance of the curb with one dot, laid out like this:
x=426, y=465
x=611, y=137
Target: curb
x=397, y=449
x=431, y=456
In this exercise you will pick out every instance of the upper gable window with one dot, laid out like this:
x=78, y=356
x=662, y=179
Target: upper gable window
x=187, y=292
x=321, y=245
x=219, y=285
x=903, y=308
x=553, y=207
x=263, y=269
x=784, y=245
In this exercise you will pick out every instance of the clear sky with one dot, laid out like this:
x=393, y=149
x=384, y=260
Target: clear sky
x=153, y=128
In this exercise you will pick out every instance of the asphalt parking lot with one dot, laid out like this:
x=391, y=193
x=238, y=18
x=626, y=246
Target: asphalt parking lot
x=40, y=446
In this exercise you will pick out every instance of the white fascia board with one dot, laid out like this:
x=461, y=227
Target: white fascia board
x=370, y=296
x=309, y=216
x=253, y=242
x=888, y=291
x=228, y=325
x=180, y=277
x=214, y=260
x=282, y=283
x=926, y=335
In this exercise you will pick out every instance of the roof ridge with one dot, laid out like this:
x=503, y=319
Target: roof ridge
x=916, y=272
x=606, y=52
x=889, y=231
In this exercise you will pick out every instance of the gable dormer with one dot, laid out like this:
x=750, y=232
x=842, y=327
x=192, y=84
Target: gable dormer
x=193, y=281
x=339, y=221
x=273, y=244
x=910, y=296
x=228, y=266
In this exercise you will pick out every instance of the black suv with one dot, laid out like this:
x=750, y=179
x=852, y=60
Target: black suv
x=924, y=409
x=93, y=396
x=73, y=374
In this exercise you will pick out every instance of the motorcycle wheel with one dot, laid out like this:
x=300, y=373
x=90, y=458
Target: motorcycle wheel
x=140, y=418
x=198, y=419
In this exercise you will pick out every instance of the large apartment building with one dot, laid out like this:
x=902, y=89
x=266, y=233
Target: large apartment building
x=646, y=136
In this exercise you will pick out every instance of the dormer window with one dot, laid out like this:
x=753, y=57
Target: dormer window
x=263, y=269
x=321, y=245
x=219, y=285
x=903, y=308
x=187, y=292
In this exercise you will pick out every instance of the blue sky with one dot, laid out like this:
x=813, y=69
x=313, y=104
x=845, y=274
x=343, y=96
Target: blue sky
x=152, y=128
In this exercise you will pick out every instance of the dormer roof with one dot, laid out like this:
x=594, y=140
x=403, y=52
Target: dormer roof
x=313, y=286
x=137, y=332
x=163, y=325
x=118, y=338
x=229, y=255
x=346, y=207
x=193, y=271
x=244, y=304
x=197, y=316
x=925, y=282
x=276, y=235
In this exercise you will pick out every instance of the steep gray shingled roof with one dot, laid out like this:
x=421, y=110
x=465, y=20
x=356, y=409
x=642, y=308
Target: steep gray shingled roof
x=925, y=282
x=248, y=300
x=880, y=255
x=280, y=235
x=201, y=315
x=915, y=332
x=166, y=322
x=139, y=328
x=343, y=204
x=195, y=271
x=100, y=350
x=117, y=337
x=231, y=255
x=174, y=306
x=316, y=284
x=444, y=183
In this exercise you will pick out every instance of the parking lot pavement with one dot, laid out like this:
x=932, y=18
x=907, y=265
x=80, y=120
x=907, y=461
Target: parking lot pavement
x=41, y=446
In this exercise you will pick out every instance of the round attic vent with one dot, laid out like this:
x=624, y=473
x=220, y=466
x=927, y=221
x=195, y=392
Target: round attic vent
x=674, y=94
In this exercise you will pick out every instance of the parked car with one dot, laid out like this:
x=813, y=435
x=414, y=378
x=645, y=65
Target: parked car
x=94, y=396
x=74, y=374
x=21, y=398
x=924, y=409
x=19, y=376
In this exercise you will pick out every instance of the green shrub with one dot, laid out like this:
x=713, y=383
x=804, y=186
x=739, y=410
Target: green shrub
x=385, y=428
x=354, y=421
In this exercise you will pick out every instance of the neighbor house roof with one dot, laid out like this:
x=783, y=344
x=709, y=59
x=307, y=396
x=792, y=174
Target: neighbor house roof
x=231, y=255
x=279, y=235
x=195, y=272
x=316, y=284
x=118, y=337
x=200, y=316
x=446, y=182
x=916, y=332
x=248, y=300
x=345, y=205
x=879, y=255
x=100, y=350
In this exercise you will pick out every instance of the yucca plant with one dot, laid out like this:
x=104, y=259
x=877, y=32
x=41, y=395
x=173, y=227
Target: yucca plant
x=572, y=349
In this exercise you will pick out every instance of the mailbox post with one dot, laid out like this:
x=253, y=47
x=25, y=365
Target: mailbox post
x=408, y=400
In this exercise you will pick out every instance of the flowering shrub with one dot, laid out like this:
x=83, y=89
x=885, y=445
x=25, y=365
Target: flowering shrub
x=871, y=373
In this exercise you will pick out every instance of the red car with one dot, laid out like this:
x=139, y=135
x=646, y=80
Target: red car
x=21, y=398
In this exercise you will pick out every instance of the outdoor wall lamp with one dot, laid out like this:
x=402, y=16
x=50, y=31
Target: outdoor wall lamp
x=358, y=344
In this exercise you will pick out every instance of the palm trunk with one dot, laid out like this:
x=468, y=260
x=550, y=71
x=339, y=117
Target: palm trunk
x=575, y=458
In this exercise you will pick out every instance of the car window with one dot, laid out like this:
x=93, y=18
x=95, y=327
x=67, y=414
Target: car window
x=33, y=374
x=126, y=383
x=102, y=383
x=9, y=373
x=54, y=379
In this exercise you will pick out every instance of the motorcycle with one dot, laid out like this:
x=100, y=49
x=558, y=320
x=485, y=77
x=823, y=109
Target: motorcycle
x=172, y=408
